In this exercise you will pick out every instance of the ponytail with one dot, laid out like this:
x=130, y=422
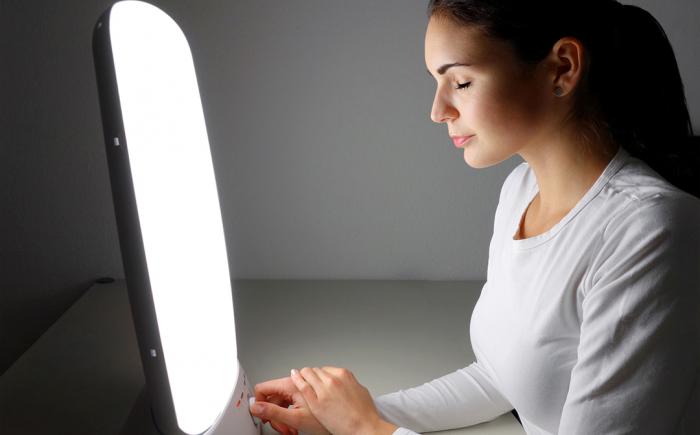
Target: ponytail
x=643, y=98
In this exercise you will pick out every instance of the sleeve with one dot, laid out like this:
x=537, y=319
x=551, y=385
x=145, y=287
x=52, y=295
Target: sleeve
x=639, y=348
x=462, y=398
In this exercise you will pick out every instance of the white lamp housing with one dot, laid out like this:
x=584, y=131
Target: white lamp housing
x=169, y=220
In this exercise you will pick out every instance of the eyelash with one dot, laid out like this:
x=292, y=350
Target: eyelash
x=463, y=85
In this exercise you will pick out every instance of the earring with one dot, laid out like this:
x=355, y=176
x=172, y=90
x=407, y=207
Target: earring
x=558, y=91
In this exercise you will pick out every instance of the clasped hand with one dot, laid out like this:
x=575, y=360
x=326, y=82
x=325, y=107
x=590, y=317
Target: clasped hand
x=319, y=401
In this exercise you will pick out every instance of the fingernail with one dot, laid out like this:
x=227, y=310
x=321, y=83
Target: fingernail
x=257, y=408
x=294, y=372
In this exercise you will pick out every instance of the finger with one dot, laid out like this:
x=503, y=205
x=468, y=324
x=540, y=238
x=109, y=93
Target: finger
x=299, y=401
x=280, y=418
x=277, y=401
x=255, y=409
x=306, y=390
x=294, y=430
x=280, y=427
x=310, y=376
x=338, y=371
x=323, y=375
x=283, y=387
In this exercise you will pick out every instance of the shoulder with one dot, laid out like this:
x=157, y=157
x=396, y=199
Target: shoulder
x=642, y=201
x=663, y=226
x=651, y=227
x=518, y=174
x=517, y=179
x=649, y=249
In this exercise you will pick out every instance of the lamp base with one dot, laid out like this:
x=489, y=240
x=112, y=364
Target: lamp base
x=236, y=418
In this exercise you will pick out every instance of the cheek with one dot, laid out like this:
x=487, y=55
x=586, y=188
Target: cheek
x=511, y=111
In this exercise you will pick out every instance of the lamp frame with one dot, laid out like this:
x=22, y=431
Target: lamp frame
x=158, y=393
x=133, y=256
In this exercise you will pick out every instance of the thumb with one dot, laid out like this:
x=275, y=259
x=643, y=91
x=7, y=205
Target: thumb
x=270, y=411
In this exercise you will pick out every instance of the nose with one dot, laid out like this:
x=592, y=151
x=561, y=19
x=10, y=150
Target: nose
x=442, y=110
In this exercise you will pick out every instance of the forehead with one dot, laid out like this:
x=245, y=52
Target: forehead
x=447, y=41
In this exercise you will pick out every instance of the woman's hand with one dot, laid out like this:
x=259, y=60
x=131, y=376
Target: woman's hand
x=275, y=396
x=339, y=402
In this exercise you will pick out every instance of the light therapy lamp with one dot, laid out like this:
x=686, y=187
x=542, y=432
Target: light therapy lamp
x=169, y=223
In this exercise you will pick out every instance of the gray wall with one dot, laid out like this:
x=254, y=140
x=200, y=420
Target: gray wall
x=318, y=114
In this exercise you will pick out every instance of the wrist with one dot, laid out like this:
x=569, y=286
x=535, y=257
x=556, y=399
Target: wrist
x=384, y=428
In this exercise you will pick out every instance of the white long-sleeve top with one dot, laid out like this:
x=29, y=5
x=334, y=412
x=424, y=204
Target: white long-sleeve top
x=592, y=327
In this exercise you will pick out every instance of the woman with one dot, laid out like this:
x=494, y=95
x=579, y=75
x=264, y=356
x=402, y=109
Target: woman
x=589, y=319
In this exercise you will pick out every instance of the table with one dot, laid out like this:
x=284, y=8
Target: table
x=84, y=374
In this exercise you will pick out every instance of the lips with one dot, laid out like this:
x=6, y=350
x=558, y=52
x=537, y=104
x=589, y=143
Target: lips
x=460, y=140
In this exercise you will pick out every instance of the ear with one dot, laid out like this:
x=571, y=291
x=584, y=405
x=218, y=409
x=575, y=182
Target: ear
x=567, y=62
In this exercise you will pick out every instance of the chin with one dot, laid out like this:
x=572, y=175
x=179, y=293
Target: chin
x=478, y=160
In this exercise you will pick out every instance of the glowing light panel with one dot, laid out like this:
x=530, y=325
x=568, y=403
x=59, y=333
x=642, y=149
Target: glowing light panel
x=178, y=209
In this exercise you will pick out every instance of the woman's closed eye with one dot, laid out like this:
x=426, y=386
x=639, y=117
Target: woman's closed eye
x=463, y=85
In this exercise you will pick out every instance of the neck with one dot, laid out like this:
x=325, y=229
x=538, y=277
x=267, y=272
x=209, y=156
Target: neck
x=564, y=173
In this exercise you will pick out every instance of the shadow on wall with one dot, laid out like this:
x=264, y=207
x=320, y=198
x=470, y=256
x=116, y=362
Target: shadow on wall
x=24, y=323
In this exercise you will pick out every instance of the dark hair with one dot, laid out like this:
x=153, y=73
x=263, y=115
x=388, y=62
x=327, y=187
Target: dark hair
x=630, y=93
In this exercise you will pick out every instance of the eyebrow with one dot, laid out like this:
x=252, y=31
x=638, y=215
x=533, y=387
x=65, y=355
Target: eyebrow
x=447, y=66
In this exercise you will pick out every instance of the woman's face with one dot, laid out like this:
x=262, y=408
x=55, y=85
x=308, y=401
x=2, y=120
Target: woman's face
x=503, y=105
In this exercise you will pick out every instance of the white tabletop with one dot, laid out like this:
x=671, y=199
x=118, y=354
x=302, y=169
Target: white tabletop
x=84, y=374
x=391, y=334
